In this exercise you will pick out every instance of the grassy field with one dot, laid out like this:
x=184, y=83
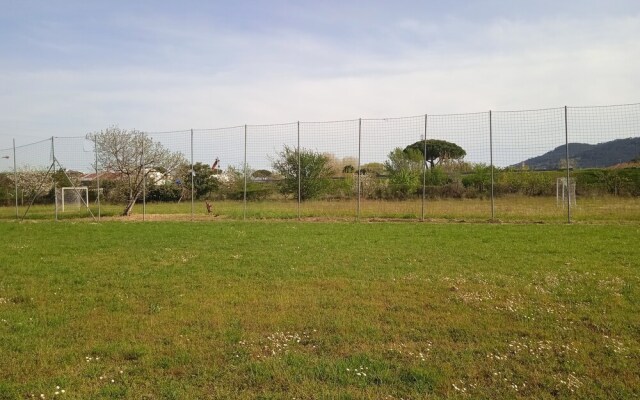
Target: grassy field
x=232, y=310
x=507, y=208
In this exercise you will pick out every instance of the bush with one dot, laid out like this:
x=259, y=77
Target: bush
x=169, y=192
x=529, y=183
x=371, y=187
x=7, y=190
x=479, y=178
x=405, y=172
x=313, y=170
x=453, y=190
x=436, y=177
x=255, y=191
x=403, y=184
x=343, y=187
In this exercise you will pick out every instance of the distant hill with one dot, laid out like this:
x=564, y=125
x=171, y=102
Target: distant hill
x=583, y=155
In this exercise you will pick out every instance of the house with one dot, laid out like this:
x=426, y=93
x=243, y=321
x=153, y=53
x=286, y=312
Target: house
x=92, y=178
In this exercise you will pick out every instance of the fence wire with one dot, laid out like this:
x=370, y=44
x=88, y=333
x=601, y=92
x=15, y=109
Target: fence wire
x=338, y=141
x=388, y=174
x=35, y=169
x=557, y=164
x=467, y=183
x=223, y=186
x=172, y=186
x=265, y=144
x=604, y=175
x=524, y=190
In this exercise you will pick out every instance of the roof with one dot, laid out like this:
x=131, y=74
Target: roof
x=105, y=175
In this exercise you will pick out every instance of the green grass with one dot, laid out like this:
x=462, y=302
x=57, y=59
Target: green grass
x=319, y=310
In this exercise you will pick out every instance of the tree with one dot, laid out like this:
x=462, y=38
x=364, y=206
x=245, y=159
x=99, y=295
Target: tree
x=134, y=156
x=7, y=189
x=315, y=172
x=479, y=178
x=34, y=182
x=438, y=151
x=405, y=171
x=204, y=180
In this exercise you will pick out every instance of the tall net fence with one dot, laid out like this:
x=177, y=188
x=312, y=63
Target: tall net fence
x=607, y=182
x=523, y=186
x=460, y=188
x=391, y=177
x=34, y=172
x=338, y=141
x=556, y=165
x=74, y=159
x=8, y=188
x=168, y=186
x=222, y=151
x=263, y=180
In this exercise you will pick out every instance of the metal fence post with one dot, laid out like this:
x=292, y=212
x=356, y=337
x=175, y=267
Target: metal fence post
x=358, y=171
x=244, y=213
x=95, y=150
x=299, y=172
x=144, y=180
x=15, y=175
x=193, y=176
x=424, y=167
x=566, y=139
x=493, y=208
x=53, y=164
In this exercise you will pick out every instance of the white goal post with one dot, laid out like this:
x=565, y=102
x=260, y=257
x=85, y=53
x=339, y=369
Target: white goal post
x=73, y=196
x=563, y=190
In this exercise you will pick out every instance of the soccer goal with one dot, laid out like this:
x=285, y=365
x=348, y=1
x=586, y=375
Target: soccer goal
x=564, y=189
x=73, y=198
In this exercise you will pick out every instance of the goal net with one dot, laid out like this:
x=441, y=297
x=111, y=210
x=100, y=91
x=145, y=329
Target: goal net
x=73, y=198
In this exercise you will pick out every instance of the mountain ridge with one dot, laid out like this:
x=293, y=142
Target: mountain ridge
x=584, y=155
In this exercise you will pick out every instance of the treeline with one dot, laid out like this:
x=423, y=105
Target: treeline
x=458, y=181
x=471, y=182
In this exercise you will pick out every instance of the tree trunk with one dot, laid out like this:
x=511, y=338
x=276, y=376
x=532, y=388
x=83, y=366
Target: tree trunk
x=130, y=204
x=127, y=209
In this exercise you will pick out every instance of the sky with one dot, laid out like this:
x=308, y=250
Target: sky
x=70, y=67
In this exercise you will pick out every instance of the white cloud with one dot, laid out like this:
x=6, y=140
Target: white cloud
x=202, y=77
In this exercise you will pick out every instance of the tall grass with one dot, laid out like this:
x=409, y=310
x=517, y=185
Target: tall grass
x=506, y=208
